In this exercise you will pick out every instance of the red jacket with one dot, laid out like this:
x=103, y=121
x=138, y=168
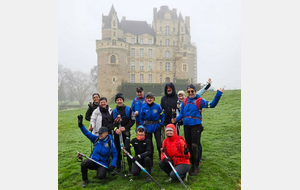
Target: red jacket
x=174, y=148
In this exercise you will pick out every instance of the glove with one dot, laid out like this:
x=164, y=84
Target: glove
x=166, y=160
x=186, y=150
x=110, y=168
x=79, y=120
x=136, y=158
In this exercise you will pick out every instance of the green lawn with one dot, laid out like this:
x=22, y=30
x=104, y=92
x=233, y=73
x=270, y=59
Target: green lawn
x=221, y=141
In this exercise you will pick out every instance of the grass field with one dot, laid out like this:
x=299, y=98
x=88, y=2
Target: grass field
x=221, y=142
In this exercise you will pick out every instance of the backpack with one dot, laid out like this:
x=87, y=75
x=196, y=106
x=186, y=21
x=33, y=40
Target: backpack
x=109, y=146
x=198, y=104
x=127, y=112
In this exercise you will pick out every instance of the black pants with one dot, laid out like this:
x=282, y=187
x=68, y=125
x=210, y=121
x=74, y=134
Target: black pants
x=117, y=143
x=181, y=169
x=157, y=135
x=146, y=162
x=137, y=123
x=88, y=164
x=192, y=135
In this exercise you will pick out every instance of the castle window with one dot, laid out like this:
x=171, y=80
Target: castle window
x=167, y=79
x=167, y=66
x=141, y=41
x=132, y=65
x=114, y=23
x=160, y=29
x=160, y=43
x=167, y=42
x=141, y=65
x=132, y=40
x=167, y=54
x=141, y=78
x=114, y=79
x=150, y=78
x=160, y=80
x=141, y=52
x=173, y=29
x=150, y=41
x=114, y=42
x=150, y=52
x=132, y=52
x=167, y=30
x=132, y=78
x=114, y=33
x=113, y=59
x=173, y=43
x=150, y=65
x=184, y=67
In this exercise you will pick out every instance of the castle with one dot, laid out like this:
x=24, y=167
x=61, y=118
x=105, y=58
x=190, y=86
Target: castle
x=136, y=52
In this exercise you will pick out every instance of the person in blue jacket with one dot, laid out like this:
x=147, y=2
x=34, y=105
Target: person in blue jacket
x=104, y=148
x=137, y=103
x=190, y=112
x=153, y=117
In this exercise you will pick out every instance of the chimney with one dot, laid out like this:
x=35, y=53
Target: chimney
x=187, y=21
x=123, y=17
x=154, y=12
x=174, y=11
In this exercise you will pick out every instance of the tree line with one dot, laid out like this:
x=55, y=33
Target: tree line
x=75, y=84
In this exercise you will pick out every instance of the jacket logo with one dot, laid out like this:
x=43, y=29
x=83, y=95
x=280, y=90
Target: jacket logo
x=155, y=111
x=106, y=145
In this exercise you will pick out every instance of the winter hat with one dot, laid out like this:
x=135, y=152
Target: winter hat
x=119, y=95
x=141, y=126
x=181, y=92
x=191, y=86
x=150, y=95
x=139, y=89
x=102, y=130
x=169, y=128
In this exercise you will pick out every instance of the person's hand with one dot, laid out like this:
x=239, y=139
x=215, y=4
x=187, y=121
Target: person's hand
x=118, y=119
x=173, y=120
x=79, y=120
x=110, y=168
x=221, y=90
x=136, y=158
x=90, y=105
x=90, y=128
x=166, y=160
x=136, y=113
x=118, y=131
x=209, y=81
x=122, y=129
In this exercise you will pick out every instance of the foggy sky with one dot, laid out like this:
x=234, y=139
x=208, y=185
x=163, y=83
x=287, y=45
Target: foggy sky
x=215, y=28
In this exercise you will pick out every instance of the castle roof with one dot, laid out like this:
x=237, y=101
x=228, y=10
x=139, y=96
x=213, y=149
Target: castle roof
x=136, y=27
x=163, y=10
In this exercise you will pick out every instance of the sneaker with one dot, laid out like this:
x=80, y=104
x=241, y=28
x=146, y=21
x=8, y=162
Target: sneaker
x=168, y=180
x=148, y=179
x=186, y=176
x=84, y=183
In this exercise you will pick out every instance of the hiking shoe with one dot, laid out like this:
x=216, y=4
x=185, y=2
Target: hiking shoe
x=129, y=173
x=186, y=177
x=84, y=183
x=192, y=170
x=148, y=179
x=168, y=180
x=195, y=172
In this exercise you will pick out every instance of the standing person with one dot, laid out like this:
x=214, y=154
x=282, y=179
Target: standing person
x=100, y=117
x=181, y=97
x=92, y=106
x=127, y=121
x=142, y=151
x=167, y=103
x=176, y=149
x=152, y=117
x=137, y=104
x=190, y=112
x=104, y=148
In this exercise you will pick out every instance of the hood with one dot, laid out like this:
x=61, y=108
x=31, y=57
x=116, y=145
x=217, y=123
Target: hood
x=108, y=137
x=174, y=134
x=173, y=88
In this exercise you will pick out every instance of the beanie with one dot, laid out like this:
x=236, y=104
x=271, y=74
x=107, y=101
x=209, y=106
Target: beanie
x=119, y=95
x=191, y=86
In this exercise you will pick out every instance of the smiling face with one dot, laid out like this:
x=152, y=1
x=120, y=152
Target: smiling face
x=96, y=98
x=191, y=92
x=150, y=100
x=103, y=135
x=181, y=97
x=169, y=133
x=140, y=94
x=119, y=102
x=169, y=90
x=103, y=103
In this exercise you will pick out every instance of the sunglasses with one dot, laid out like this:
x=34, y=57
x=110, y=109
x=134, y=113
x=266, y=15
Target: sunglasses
x=190, y=91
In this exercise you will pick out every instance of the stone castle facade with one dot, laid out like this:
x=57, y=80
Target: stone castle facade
x=136, y=52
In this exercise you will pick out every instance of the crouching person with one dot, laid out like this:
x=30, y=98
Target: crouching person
x=176, y=149
x=104, y=148
x=142, y=152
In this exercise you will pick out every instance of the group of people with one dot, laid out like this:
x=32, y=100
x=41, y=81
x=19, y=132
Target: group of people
x=163, y=121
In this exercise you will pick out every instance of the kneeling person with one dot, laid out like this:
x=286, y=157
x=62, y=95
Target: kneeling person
x=142, y=152
x=104, y=148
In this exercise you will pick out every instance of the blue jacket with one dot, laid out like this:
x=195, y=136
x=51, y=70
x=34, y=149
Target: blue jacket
x=152, y=113
x=137, y=106
x=191, y=110
x=101, y=151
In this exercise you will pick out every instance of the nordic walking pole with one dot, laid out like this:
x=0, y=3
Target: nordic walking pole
x=174, y=170
x=143, y=169
x=121, y=142
x=104, y=166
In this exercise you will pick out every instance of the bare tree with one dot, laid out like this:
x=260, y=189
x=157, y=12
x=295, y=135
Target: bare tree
x=79, y=84
x=93, y=75
x=61, y=83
